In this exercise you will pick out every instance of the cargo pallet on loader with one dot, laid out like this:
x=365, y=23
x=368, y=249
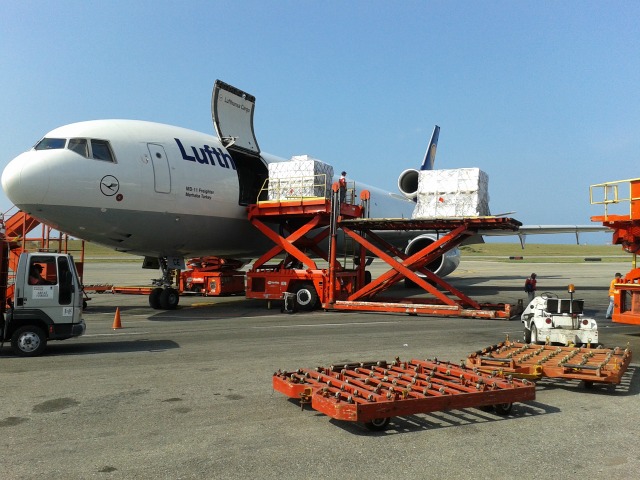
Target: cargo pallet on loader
x=374, y=392
x=591, y=365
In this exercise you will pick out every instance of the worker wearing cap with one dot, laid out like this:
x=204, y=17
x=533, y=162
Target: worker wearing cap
x=342, y=183
x=530, y=286
x=612, y=291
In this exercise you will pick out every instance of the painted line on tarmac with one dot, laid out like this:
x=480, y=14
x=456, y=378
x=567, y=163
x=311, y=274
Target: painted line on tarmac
x=326, y=324
x=114, y=334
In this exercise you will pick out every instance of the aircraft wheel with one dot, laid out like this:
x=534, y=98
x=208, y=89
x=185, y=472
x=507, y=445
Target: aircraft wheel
x=306, y=297
x=28, y=341
x=377, y=424
x=154, y=298
x=169, y=299
x=367, y=277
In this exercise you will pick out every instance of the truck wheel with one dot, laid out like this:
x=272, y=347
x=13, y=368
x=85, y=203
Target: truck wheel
x=28, y=341
x=534, y=334
x=503, y=408
x=306, y=297
x=154, y=298
x=169, y=299
x=377, y=424
x=527, y=335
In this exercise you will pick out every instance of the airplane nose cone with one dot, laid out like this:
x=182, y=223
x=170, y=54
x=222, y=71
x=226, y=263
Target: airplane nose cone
x=25, y=180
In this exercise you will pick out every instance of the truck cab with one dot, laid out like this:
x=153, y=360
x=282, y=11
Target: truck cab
x=46, y=305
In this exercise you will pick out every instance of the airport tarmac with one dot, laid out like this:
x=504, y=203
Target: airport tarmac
x=187, y=393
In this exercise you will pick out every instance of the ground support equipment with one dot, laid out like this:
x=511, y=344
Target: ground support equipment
x=626, y=232
x=302, y=230
x=373, y=392
x=530, y=361
x=445, y=299
x=212, y=276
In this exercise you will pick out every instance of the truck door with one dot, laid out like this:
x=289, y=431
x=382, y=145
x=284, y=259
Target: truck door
x=160, y=163
x=232, y=115
x=49, y=286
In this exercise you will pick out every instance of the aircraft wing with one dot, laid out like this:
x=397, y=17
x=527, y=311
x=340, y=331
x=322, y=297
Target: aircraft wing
x=525, y=230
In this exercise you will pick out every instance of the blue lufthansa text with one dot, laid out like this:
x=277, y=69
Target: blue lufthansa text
x=207, y=155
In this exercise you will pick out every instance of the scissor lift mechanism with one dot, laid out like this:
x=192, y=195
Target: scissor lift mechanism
x=545, y=361
x=455, y=231
x=338, y=292
x=373, y=392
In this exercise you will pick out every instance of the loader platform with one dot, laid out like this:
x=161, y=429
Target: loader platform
x=532, y=361
x=373, y=392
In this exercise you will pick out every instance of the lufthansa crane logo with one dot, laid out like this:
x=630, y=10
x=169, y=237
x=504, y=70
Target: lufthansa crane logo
x=109, y=185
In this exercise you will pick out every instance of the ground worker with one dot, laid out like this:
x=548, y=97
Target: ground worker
x=530, y=286
x=612, y=291
x=342, y=183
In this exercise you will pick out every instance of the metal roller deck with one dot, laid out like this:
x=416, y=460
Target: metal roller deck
x=537, y=361
x=373, y=392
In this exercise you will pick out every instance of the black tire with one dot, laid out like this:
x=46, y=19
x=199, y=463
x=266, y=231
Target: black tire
x=154, y=298
x=28, y=341
x=169, y=299
x=367, y=277
x=306, y=297
x=377, y=424
x=527, y=335
x=503, y=408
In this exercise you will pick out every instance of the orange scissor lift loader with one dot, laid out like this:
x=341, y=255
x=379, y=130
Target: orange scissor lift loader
x=338, y=288
x=626, y=232
x=302, y=229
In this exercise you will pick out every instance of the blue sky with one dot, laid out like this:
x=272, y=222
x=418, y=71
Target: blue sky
x=543, y=96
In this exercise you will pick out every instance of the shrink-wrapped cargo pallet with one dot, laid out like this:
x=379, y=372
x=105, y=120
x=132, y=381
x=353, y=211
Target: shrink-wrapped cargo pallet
x=460, y=192
x=300, y=177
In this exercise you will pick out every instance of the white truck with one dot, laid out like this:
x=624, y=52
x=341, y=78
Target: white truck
x=46, y=305
x=549, y=319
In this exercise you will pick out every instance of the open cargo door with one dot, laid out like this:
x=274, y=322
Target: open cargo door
x=232, y=114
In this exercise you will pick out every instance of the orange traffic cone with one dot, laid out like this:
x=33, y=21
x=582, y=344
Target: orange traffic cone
x=116, y=319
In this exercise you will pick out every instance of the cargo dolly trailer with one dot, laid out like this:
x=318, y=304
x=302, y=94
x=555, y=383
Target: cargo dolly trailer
x=374, y=392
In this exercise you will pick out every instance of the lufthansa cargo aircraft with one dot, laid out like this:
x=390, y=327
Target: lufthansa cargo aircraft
x=168, y=193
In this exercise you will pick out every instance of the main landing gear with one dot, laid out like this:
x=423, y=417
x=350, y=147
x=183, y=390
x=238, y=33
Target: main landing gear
x=164, y=296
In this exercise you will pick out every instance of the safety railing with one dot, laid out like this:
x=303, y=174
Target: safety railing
x=616, y=193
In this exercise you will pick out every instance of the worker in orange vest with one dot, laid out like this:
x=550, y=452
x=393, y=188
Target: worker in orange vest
x=612, y=291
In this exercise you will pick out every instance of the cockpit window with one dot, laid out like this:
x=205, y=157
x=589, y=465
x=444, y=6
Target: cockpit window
x=101, y=150
x=79, y=145
x=50, y=143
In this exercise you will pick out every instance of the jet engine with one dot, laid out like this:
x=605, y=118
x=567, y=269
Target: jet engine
x=408, y=183
x=441, y=266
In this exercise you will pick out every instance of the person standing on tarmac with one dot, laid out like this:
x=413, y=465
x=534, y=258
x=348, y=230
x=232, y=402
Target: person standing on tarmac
x=612, y=291
x=530, y=286
x=342, y=183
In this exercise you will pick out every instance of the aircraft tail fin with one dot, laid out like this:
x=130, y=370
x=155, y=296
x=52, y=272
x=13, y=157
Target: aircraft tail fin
x=430, y=154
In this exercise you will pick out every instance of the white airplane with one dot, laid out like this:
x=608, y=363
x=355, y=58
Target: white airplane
x=168, y=193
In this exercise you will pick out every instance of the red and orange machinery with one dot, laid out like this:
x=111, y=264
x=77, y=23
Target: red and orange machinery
x=336, y=287
x=305, y=223
x=212, y=276
x=531, y=361
x=375, y=392
x=625, y=223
